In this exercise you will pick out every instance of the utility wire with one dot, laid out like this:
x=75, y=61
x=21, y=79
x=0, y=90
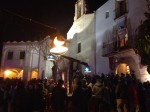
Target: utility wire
x=29, y=19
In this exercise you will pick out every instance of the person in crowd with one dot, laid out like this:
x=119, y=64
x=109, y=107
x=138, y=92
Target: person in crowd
x=106, y=90
x=88, y=93
x=74, y=83
x=1, y=96
x=51, y=85
x=97, y=87
x=111, y=87
x=79, y=98
x=146, y=85
x=38, y=98
x=133, y=95
x=30, y=90
x=121, y=91
x=108, y=96
x=20, y=98
x=59, y=97
x=7, y=96
x=142, y=100
x=98, y=91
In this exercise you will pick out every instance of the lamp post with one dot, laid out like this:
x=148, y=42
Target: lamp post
x=58, y=51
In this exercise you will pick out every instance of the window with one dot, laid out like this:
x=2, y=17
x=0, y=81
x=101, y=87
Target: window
x=10, y=56
x=107, y=14
x=120, y=8
x=79, y=47
x=22, y=55
x=79, y=9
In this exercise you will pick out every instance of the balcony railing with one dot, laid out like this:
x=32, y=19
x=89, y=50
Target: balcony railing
x=114, y=47
x=109, y=47
x=121, y=41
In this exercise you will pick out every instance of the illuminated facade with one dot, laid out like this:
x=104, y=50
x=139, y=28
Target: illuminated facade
x=81, y=36
x=26, y=60
x=116, y=23
x=105, y=38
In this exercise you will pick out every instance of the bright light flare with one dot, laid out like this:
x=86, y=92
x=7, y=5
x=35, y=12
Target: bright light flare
x=58, y=43
x=7, y=73
x=148, y=77
x=87, y=69
x=59, y=48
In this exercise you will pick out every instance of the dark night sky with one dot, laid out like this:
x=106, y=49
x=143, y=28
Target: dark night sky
x=55, y=13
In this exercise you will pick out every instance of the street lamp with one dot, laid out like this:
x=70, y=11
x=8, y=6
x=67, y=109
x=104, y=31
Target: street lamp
x=51, y=57
x=87, y=69
x=56, y=51
x=59, y=49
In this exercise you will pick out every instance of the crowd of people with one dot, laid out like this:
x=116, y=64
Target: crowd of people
x=97, y=93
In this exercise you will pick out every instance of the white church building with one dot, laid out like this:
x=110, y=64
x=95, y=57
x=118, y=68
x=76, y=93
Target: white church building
x=104, y=39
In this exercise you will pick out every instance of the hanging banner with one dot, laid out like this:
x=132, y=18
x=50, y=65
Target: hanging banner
x=122, y=33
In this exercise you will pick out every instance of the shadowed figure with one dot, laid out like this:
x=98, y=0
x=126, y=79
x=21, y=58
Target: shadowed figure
x=79, y=98
x=20, y=98
x=59, y=97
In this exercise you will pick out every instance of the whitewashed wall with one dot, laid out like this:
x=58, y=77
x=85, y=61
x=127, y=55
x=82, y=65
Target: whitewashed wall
x=104, y=29
x=82, y=31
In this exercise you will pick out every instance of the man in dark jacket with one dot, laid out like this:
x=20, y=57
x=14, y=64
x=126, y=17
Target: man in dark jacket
x=59, y=97
x=79, y=98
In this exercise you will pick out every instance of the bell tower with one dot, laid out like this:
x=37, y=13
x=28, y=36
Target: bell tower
x=80, y=8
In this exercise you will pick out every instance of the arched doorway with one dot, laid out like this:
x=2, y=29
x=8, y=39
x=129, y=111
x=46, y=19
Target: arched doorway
x=13, y=73
x=123, y=68
x=34, y=74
